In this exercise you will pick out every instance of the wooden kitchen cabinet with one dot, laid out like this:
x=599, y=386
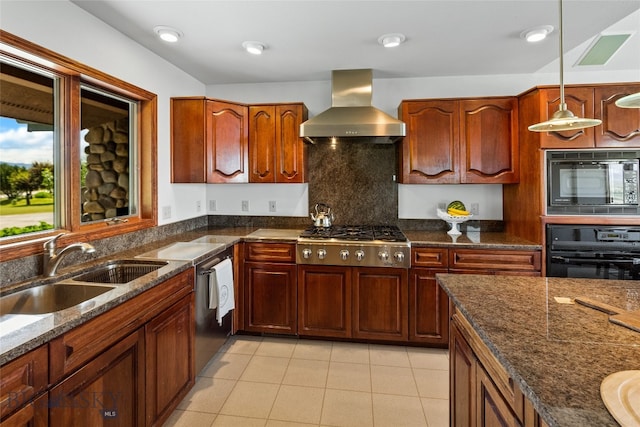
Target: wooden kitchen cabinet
x=428, y=302
x=620, y=126
x=270, y=288
x=353, y=302
x=380, y=299
x=170, y=359
x=482, y=394
x=495, y=261
x=276, y=152
x=209, y=141
x=107, y=391
x=324, y=301
x=452, y=141
x=20, y=382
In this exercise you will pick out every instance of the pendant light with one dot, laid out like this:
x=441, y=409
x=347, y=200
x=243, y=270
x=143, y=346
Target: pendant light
x=563, y=119
x=629, y=101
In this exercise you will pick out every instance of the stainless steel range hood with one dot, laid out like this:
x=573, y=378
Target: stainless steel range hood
x=351, y=114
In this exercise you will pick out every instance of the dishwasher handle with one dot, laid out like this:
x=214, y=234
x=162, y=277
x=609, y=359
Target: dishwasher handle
x=207, y=268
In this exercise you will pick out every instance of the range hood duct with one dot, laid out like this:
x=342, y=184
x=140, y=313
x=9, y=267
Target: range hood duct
x=351, y=115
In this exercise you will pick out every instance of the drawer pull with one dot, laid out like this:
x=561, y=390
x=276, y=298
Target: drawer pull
x=68, y=350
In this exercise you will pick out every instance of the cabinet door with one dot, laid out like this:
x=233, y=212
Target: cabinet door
x=620, y=126
x=428, y=308
x=462, y=381
x=489, y=141
x=492, y=409
x=227, y=130
x=270, y=297
x=324, y=301
x=108, y=391
x=290, y=149
x=579, y=101
x=170, y=360
x=23, y=378
x=188, y=140
x=262, y=143
x=430, y=150
x=33, y=414
x=380, y=304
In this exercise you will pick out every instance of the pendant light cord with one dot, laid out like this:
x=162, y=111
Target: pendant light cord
x=563, y=105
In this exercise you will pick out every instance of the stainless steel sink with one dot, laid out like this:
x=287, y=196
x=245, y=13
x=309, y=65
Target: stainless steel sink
x=49, y=298
x=120, y=271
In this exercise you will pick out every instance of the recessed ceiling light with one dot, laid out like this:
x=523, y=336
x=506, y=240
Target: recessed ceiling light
x=391, y=40
x=168, y=34
x=254, y=48
x=537, y=34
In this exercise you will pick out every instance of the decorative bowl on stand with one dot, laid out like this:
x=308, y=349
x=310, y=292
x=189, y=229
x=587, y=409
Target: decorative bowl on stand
x=454, y=221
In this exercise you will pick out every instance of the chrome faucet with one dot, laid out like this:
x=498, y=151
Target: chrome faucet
x=52, y=259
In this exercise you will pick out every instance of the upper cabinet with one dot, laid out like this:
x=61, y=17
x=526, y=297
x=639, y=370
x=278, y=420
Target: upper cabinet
x=216, y=141
x=277, y=153
x=620, y=126
x=459, y=141
x=209, y=141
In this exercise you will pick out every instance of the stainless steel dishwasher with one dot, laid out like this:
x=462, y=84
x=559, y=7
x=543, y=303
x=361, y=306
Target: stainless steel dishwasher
x=210, y=336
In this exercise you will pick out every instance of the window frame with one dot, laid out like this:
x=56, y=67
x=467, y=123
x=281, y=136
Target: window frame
x=72, y=74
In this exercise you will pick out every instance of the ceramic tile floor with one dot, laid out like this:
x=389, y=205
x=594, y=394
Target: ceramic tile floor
x=278, y=382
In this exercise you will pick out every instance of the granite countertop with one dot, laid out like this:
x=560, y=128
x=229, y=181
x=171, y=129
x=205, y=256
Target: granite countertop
x=22, y=333
x=558, y=353
x=470, y=239
x=28, y=332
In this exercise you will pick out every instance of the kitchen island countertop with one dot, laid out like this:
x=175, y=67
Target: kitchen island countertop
x=557, y=352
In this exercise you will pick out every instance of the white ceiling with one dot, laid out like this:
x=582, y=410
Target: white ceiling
x=306, y=39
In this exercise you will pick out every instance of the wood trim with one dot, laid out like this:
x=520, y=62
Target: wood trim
x=72, y=74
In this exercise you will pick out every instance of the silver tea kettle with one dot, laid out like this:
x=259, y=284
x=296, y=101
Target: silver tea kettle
x=323, y=217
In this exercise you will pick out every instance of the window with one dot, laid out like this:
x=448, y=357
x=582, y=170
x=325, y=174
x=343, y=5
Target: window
x=77, y=150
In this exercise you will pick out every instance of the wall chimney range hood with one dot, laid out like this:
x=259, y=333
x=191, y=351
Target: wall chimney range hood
x=351, y=115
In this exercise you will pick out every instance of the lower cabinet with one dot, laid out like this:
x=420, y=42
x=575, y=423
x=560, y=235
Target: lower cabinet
x=108, y=391
x=352, y=302
x=428, y=308
x=481, y=392
x=129, y=366
x=270, y=288
x=170, y=360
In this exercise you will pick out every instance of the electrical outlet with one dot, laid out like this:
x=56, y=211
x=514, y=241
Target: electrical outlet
x=475, y=208
x=245, y=205
x=166, y=212
x=198, y=206
x=212, y=205
x=272, y=206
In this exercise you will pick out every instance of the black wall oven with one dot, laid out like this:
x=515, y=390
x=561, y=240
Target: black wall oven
x=593, y=251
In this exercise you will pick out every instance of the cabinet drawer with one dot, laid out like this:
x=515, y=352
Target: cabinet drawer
x=76, y=347
x=273, y=252
x=494, y=260
x=430, y=257
x=22, y=379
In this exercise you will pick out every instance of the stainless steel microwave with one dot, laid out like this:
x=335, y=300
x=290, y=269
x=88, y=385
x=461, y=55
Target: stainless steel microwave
x=584, y=181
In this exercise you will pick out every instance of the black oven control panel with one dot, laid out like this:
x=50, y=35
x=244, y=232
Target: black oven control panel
x=618, y=236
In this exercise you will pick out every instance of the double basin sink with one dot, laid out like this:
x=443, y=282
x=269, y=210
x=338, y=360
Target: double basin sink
x=49, y=298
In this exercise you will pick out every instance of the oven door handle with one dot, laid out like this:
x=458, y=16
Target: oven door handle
x=566, y=260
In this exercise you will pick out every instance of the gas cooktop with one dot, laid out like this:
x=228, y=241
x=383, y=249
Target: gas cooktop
x=386, y=233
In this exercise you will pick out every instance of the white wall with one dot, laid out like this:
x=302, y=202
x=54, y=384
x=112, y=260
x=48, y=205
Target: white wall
x=70, y=31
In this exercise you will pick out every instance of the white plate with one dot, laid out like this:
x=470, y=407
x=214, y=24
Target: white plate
x=620, y=393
